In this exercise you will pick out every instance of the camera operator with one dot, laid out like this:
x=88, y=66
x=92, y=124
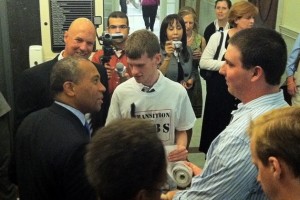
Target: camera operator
x=117, y=23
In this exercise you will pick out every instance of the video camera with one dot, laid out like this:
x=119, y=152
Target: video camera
x=106, y=40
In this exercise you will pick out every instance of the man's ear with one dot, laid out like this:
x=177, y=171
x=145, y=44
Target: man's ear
x=65, y=36
x=141, y=195
x=69, y=88
x=157, y=58
x=275, y=167
x=257, y=73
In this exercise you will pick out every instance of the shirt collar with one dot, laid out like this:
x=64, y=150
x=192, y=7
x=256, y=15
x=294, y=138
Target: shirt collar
x=60, y=56
x=152, y=89
x=76, y=112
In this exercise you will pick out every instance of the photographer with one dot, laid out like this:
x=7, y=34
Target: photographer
x=177, y=61
x=117, y=23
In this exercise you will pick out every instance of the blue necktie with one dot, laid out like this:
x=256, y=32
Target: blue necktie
x=87, y=128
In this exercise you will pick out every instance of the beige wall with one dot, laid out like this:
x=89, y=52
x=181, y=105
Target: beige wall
x=288, y=21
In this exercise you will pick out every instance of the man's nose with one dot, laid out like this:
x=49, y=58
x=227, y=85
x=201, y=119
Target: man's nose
x=101, y=87
x=134, y=70
x=222, y=69
x=83, y=46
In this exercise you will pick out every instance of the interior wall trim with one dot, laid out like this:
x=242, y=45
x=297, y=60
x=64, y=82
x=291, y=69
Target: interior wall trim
x=288, y=32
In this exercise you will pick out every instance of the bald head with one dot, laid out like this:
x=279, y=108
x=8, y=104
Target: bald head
x=82, y=23
x=80, y=38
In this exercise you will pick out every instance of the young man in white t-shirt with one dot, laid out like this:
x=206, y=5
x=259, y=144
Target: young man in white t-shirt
x=150, y=95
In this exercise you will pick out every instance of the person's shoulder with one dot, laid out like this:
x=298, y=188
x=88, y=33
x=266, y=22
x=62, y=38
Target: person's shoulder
x=173, y=85
x=97, y=56
x=210, y=27
x=42, y=68
x=101, y=69
x=35, y=117
x=126, y=87
x=198, y=36
x=215, y=37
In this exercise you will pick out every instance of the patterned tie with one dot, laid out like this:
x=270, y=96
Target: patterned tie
x=87, y=128
x=147, y=89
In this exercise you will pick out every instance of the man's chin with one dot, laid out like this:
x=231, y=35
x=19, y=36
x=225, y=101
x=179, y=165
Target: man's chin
x=137, y=79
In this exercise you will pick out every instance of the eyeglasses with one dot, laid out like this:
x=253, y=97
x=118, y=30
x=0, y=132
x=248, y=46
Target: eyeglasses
x=120, y=27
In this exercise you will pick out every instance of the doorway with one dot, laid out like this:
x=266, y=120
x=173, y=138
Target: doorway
x=135, y=13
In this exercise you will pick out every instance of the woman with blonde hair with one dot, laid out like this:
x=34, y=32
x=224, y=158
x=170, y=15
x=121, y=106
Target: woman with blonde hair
x=197, y=44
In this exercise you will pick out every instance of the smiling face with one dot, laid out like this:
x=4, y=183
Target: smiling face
x=80, y=38
x=88, y=90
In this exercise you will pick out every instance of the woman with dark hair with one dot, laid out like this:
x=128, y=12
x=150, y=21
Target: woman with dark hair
x=177, y=59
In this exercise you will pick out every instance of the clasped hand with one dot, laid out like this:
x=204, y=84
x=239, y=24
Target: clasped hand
x=178, y=154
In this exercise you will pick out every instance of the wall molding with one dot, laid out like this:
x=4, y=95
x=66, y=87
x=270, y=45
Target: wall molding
x=288, y=32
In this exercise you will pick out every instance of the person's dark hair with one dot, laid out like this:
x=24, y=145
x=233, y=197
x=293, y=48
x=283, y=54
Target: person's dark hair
x=169, y=20
x=262, y=47
x=140, y=42
x=64, y=70
x=277, y=133
x=125, y=157
x=117, y=14
x=229, y=4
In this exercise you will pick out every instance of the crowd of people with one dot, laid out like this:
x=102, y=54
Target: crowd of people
x=94, y=126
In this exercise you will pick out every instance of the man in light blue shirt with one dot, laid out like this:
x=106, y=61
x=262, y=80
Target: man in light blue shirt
x=293, y=76
x=253, y=78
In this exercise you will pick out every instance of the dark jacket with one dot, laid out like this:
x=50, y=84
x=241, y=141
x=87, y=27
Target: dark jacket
x=33, y=93
x=50, y=148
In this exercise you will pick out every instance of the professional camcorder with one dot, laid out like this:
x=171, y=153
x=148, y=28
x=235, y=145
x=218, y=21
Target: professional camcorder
x=106, y=40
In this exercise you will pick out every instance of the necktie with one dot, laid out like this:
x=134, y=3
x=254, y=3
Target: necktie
x=87, y=128
x=147, y=89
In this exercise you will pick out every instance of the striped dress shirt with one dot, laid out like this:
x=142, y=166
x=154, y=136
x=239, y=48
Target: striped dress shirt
x=228, y=172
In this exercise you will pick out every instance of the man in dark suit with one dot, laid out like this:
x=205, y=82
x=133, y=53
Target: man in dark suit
x=33, y=85
x=7, y=189
x=51, y=142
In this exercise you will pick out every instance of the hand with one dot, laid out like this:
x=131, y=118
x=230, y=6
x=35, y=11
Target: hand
x=187, y=84
x=291, y=85
x=168, y=196
x=196, y=170
x=109, y=70
x=178, y=154
x=169, y=48
x=197, y=54
x=126, y=75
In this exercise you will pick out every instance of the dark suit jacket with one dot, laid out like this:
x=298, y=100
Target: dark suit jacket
x=50, y=148
x=33, y=93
